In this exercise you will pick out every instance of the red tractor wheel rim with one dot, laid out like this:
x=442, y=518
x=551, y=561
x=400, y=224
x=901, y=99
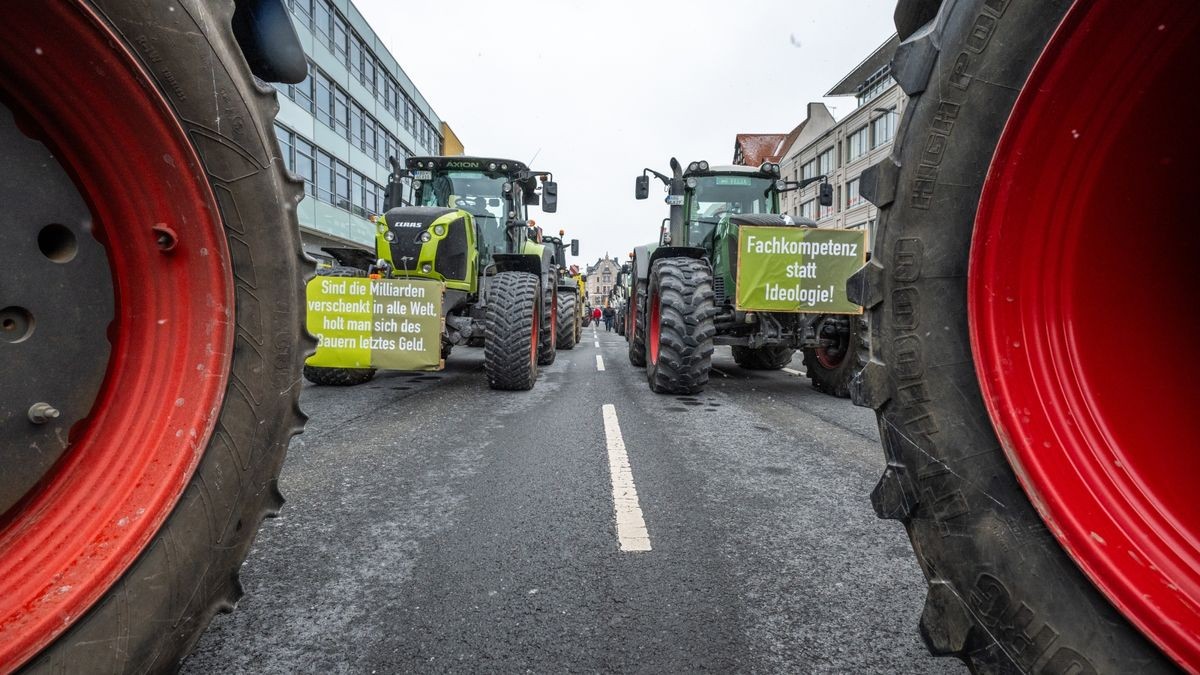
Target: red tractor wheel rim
x=655, y=327
x=1083, y=240
x=72, y=537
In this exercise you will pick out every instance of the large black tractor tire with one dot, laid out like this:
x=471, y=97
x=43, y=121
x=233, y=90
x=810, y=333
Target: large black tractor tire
x=833, y=375
x=339, y=377
x=568, y=320
x=152, y=616
x=683, y=290
x=636, y=332
x=548, y=339
x=762, y=358
x=510, y=349
x=1003, y=595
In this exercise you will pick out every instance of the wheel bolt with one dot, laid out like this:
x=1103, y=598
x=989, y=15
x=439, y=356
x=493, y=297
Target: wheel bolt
x=41, y=412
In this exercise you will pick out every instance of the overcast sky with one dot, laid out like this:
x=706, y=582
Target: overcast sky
x=598, y=90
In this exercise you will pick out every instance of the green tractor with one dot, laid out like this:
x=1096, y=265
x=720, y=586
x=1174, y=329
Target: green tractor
x=683, y=288
x=618, y=298
x=570, y=298
x=469, y=229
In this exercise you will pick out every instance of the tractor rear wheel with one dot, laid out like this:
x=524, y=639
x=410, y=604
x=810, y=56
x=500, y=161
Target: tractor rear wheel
x=339, y=377
x=830, y=368
x=1048, y=494
x=513, y=320
x=143, y=184
x=636, y=331
x=762, y=358
x=568, y=320
x=679, y=328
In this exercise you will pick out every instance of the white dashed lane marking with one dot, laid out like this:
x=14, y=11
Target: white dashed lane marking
x=599, y=362
x=631, y=526
x=792, y=371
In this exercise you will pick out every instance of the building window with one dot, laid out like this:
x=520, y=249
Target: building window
x=826, y=162
x=304, y=165
x=879, y=81
x=286, y=140
x=857, y=143
x=303, y=11
x=323, y=20
x=809, y=170
x=342, y=186
x=809, y=209
x=324, y=98
x=324, y=181
x=853, y=198
x=341, y=112
x=341, y=40
x=356, y=126
x=883, y=128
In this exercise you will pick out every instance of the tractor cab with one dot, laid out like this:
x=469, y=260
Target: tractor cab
x=464, y=212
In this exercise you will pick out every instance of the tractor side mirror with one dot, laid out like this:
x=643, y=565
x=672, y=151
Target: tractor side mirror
x=641, y=187
x=825, y=196
x=575, y=247
x=549, y=196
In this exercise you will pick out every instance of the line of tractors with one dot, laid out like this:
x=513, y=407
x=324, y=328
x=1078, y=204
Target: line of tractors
x=510, y=290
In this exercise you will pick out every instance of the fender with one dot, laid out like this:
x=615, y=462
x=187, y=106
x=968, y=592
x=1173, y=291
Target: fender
x=264, y=31
x=518, y=262
x=675, y=252
x=641, y=260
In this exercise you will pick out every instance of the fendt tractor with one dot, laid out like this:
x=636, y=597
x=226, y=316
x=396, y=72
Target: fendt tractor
x=468, y=228
x=684, y=288
x=570, y=292
x=151, y=321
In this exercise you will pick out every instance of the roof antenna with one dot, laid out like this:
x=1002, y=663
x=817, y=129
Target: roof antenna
x=530, y=162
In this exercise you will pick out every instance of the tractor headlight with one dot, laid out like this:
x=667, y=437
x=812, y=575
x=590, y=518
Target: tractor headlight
x=693, y=167
x=781, y=185
x=389, y=236
x=427, y=268
x=382, y=228
x=425, y=236
x=492, y=166
x=416, y=185
x=439, y=230
x=692, y=183
x=703, y=165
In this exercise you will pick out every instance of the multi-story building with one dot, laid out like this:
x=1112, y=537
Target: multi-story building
x=338, y=127
x=600, y=280
x=841, y=151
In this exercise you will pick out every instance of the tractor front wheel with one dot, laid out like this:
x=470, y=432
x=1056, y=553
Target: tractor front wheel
x=830, y=367
x=568, y=320
x=513, y=320
x=635, y=333
x=679, y=328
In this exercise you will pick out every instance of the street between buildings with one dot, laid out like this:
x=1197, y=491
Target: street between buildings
x=435, y=525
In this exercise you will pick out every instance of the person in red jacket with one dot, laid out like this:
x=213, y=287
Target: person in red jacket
x=596, y=314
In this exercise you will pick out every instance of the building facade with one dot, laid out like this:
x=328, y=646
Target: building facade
x=842, y=150
x=337, y=128
x=600, y=280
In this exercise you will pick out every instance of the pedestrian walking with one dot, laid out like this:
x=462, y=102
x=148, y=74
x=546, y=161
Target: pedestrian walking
x=596, y=313
x=609, y=315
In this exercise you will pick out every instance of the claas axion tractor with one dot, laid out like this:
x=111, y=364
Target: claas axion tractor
x=468, y=228
x=683, y=289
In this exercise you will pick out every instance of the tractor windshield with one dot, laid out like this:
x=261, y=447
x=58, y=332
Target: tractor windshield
x=476, y=193
x=716, y=197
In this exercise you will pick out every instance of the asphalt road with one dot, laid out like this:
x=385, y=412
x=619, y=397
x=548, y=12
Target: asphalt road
x=434, y=525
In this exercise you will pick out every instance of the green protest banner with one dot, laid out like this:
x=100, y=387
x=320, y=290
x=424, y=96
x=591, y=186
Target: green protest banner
x=392, y=324
x=797, y=269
